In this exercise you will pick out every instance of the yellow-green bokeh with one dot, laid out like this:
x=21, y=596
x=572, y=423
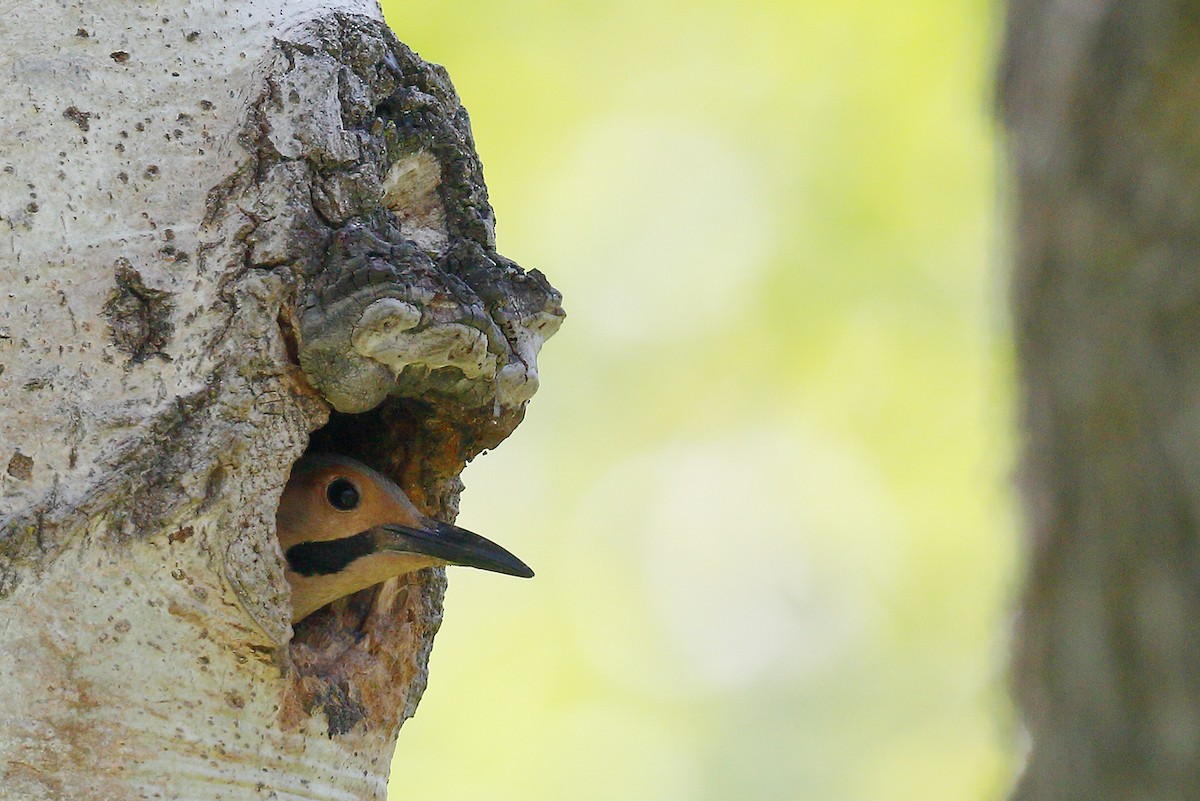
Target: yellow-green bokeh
x=764, y=483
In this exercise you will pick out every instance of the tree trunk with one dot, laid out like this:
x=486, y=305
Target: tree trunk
x=228, y=227
x=1102, y=106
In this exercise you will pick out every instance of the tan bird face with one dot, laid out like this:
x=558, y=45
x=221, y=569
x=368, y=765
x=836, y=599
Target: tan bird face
x=344, y=527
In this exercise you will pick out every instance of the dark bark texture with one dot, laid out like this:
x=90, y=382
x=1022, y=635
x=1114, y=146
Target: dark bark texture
x=1102, y=103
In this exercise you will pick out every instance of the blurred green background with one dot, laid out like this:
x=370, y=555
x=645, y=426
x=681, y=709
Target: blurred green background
x=765, y=483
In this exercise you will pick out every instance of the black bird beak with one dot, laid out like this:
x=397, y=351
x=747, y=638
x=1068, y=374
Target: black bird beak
x=454, y=545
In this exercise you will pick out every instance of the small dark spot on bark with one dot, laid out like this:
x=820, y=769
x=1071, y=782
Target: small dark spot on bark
x=141, y=126
x=78, y=117
x=216, y=479
x=192, y=36
x=181, y=535
x=207, y=105
x=290, y=343
x=140, y=316
x=119, y=56
x=123, y=177
x=82, y=33
x=32, y=208
x=151, y=172
x=20, y=466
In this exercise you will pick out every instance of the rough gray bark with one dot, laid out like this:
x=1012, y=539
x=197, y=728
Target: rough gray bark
x=1102, y=103
x=228, y=228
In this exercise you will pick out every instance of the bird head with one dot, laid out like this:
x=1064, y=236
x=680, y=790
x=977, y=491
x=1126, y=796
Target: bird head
x=344, y=527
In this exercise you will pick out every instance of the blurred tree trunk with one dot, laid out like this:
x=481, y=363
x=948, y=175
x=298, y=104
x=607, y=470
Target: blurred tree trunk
x=225, y=228
x=1102, y=102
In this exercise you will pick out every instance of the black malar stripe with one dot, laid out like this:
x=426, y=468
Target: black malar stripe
x=329, y=556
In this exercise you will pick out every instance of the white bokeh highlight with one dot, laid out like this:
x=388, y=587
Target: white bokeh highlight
x=763, y=552
x=659, y=227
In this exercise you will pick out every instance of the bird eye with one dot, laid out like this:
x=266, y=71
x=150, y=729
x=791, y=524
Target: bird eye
x=342, y=494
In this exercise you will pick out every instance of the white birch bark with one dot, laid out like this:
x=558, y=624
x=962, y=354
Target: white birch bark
x=193, y=197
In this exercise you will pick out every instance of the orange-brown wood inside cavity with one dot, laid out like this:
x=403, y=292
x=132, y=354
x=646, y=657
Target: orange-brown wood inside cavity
x=359, y=660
